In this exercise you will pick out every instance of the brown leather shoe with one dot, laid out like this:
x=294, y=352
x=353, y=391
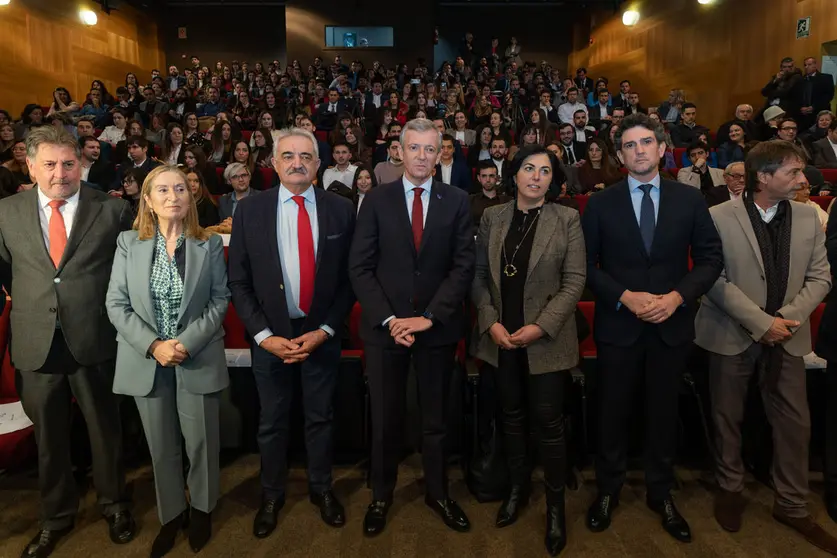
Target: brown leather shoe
x=729, y=507
x=809, y=529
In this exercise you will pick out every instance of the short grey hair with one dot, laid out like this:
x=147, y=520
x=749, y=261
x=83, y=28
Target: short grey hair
x=234, y=168
x=294, y=131
x=639, y=120
x=728, y=169
x=420, y=125
x=824, y=112
x=50, y=135
x=744, y=105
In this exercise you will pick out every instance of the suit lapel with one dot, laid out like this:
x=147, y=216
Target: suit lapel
x=495, y=243
x=32, y=225
x=401, y=214
x=744, y=220
x=666, y=215
x=319, y=196
x=543, y=233
x=269, y=212
x=195, y=255
x=142, y=255
x=86, y=213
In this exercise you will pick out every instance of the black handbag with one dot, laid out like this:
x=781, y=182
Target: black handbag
x=487, y=475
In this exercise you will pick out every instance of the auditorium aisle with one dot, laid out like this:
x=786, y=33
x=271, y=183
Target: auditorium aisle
x=412, y=531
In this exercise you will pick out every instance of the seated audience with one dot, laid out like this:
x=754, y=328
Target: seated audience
x=17, y=165
x=566, y=112
x=195, y=159
x=343, y=169
x=699, y=174
x=732, y=188
x=802, y=194
x=173, y=148
x=789, y=131
x=115, y=133
x=460, y=131
x=737, y=145
x=825, y=149
x=597, y=172
x=575, y=152
x=688, y=130
x=7, y=142
x=744, y=118
x=205, y=204
x=820, y=129
x=137, y=158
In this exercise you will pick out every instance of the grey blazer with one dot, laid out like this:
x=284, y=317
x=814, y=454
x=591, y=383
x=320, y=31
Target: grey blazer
x=686, y=176
x=75, y=292
x=554, y=283
x=824, y=156
x=200, y=321
x=730, y=318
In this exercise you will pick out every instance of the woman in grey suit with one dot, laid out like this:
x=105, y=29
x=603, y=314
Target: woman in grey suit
x=167, y=299
x=530, y=273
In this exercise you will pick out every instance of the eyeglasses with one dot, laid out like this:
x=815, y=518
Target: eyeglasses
x=735, y=176
x=239, y=176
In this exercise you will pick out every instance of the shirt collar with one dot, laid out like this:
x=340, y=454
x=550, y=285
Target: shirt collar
x=408, y=186
x=43, y=201
x=634, y=184
x=285, y=194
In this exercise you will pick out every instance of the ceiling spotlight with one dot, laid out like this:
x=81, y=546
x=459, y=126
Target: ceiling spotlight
x=630, y=17
x=5, y=2
x=88, y=17
x=706, y=1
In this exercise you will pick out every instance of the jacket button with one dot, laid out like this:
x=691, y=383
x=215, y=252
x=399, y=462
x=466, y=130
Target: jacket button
x=56, y=280
x=180, y=327
x=53, y=310
x=282, y=287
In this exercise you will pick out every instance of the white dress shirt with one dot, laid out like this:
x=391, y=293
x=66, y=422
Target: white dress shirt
x=85, y=171
x=332, y=107
x=446, y=171
x=499, y=165
x=112, y=135
x=376, y=100
x=360, y=197
x=68, y=211
x=347, y=176
x=172, y=160
x=566, y=111
x=768, y=214
x=602, y=111
x=287, y=212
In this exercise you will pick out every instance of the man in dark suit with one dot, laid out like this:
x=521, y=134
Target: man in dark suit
x=621, y=100
x=412, y=264
x=295, y=237
x=96, y=172
x=57, y=243
x=137, y=158
x=633, y=106
x=813, y=93
x=582, y=81
x=327, y=113
x=688, y=130
x=640, y=234
x=451, y=169
x=306, y=123
x=575, y=152
x=825, y=149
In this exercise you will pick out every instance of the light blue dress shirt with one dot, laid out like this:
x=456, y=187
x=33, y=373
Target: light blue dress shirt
x=287, y=212
x=425, y=204
x=637, y=193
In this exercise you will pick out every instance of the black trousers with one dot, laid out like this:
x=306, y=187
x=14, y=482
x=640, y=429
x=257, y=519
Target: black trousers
x=275, y=384
x=830, y=454
x=46, y=395
x=387, y=369
x=539, y=400
x=657, y=368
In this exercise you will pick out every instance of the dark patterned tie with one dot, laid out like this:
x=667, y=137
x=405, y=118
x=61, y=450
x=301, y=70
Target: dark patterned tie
x=647, y=223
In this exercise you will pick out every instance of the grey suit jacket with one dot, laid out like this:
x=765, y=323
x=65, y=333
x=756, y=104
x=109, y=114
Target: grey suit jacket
x=470, y=136
x=200, y=320
x=554, y=283
x=686, y=176
x=225, y=203
x=75, y=292
x=824, y=157
x=731, y=318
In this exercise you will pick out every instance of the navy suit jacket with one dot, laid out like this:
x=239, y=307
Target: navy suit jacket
x=617, y=260
x=460, y=174
x=255, y=269
x=392, y=278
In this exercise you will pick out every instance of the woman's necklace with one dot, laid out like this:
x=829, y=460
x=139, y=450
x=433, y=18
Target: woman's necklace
x=509, y=270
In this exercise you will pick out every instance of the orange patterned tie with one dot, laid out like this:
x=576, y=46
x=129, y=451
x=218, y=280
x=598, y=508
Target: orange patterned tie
x=57, y=232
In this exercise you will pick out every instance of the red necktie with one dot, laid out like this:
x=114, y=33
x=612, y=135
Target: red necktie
x=57, y=232
x=307, y=265
x=418, y=217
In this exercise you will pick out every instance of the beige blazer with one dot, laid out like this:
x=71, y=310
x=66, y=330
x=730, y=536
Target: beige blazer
x=731, y=318
x=554, y=283
x=686, y=176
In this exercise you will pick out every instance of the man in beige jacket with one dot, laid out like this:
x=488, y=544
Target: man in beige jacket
x=754, y=320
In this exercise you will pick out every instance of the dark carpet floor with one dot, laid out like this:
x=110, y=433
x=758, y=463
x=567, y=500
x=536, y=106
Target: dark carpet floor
x=413, y=530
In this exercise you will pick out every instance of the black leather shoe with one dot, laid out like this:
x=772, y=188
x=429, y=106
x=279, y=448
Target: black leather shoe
x=673, y=522
x=451, y=514
x=601, y=511
x=556, y=528
x=831, y=504
x=376, y=518
x=167, y=536
x=200, y=530
x=331, y=510
x=265, y=521
x=517, y=499
x=44, y=543
x=122, y=527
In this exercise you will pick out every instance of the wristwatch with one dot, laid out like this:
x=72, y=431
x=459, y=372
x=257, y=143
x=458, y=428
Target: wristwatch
x=429, y=315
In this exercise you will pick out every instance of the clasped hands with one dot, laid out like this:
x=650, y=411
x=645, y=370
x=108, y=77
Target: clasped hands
x=779, y=331
x=651, y=308
x=168, y=353
x=297, y=349
x=403, y=330
x=520, y=339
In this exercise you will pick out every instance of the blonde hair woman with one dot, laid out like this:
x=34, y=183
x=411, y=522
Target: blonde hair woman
x=167, y=299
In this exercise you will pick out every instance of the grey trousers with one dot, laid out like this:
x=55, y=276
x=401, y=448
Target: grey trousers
x=168, y=412
x=786, y=407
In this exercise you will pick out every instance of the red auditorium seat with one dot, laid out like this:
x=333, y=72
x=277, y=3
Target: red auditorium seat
x=321, y=135
x=267, y=177
x=465, y=151
x=235, y=335
x=15, y=447
x=830, y=175
x=246, y=134
x=587, y=348
x=582, y=203
x=815, y=318
x=157, y=151
x=220, y=172
x=823, y=201
x=678, y=156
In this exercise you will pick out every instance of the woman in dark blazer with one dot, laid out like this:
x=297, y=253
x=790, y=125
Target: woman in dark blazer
x=530, y=273
x=167, y=299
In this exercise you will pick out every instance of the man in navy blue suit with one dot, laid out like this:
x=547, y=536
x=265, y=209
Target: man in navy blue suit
x=640, y=234
x=327, y=112
x=451, y=169
x=288, y=274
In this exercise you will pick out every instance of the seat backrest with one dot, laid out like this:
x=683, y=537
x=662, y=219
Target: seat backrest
x=587, y=347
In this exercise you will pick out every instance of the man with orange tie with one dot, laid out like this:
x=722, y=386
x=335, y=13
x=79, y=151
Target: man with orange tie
x=57, y=243
x=411, y=265
x=288, y=261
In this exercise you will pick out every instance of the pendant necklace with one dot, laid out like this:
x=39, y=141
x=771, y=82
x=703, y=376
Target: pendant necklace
x=509, y=270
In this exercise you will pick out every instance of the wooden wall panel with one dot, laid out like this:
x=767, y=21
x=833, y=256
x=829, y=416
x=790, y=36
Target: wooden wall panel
x=44, y=45
x=721, y=54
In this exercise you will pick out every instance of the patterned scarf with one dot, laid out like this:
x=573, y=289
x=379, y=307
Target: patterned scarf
x=166, y=288
x=775, y=253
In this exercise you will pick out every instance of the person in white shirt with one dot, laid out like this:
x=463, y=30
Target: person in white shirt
x=734, y=177
x=116, y=133
x=582, y=130
x=600, y=111
x=342, y=170
x=566, y=111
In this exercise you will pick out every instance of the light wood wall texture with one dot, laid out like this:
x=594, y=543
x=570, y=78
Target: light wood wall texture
x=43, y=44
x=721, y=54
